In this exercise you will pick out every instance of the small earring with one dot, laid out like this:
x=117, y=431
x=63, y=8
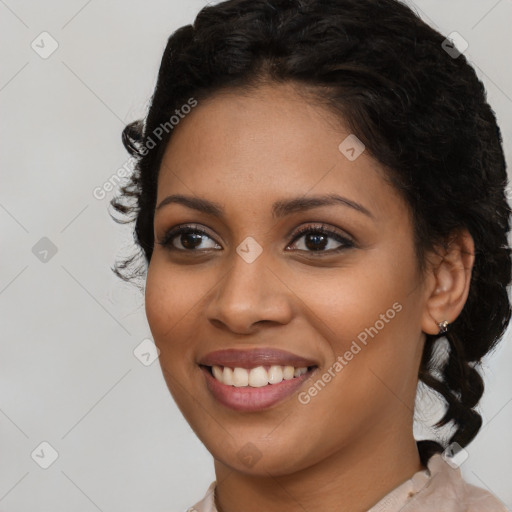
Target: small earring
x=443, y=326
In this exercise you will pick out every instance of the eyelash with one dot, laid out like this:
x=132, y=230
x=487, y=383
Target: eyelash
x=170, y=235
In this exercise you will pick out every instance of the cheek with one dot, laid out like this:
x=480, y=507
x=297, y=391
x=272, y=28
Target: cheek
x=167, y=301
x=355, y=299
x=170, y=296
x=369, y=316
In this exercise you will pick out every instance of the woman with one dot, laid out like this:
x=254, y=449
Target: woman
x=319, y=201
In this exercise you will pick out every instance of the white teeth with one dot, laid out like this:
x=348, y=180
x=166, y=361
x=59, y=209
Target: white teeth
x=256, y=377
x=240, y=377
x=288, y=372
x=218, y=373
x=299, y=371
x=275, y=374
x=227, y=376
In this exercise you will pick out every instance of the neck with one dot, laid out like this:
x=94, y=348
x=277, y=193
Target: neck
x=351, y=480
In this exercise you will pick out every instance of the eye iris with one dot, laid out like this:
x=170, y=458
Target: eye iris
x=316, y=238
x=186, y=238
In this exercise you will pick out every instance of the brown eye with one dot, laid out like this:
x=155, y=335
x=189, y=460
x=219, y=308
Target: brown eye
x=189, y=238
x=319, y=240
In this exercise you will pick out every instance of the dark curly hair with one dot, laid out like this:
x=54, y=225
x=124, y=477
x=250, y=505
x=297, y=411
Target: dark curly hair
x=420, y=111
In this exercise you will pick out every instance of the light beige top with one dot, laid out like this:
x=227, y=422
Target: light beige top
x=440, y=488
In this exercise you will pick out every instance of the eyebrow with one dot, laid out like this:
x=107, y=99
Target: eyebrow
x=280, y=208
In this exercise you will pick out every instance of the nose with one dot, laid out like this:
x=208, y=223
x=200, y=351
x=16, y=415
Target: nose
x=249, y=294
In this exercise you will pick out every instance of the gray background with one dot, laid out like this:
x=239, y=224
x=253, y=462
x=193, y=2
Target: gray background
x=68, y=374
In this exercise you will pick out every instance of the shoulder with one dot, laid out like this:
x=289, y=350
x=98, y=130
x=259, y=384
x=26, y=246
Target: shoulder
x=207, y=504
x=447, y=490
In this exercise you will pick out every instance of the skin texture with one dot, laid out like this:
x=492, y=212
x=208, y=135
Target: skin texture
x=352, y=443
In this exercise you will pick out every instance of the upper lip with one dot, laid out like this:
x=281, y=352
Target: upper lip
x=251, y=358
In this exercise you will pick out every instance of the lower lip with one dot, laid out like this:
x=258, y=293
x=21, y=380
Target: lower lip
x=249, y=399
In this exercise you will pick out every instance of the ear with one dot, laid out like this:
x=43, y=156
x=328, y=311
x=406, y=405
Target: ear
x=449, y=277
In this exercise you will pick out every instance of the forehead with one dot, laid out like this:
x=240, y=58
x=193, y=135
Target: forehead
x=244, y=149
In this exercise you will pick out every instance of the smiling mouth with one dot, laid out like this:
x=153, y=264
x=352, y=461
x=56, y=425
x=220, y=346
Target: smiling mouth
x=257, y=377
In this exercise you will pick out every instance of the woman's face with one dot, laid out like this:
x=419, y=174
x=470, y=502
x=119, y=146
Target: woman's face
x=350, y=303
